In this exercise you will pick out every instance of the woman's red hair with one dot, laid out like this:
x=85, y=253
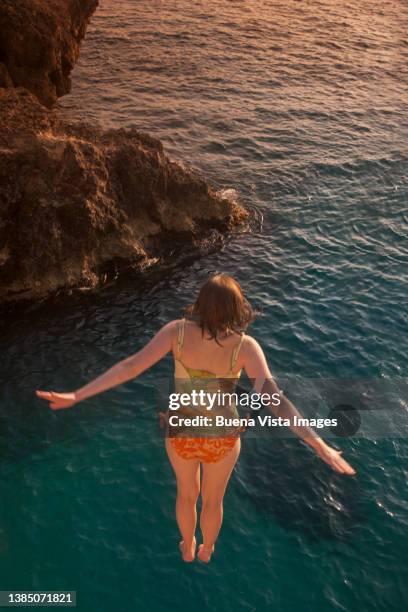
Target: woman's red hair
x=221, y=307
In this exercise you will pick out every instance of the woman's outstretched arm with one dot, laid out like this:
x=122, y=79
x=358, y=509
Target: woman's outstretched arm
x=257, y=369
x=121, y=372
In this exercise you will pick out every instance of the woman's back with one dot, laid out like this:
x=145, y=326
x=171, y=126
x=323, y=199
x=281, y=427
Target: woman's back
x=197, y=351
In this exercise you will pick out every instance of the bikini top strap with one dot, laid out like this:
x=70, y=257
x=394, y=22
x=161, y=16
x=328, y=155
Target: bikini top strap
x=180, y=337
x=235, y=353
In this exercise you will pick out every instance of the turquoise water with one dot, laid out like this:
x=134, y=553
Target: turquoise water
x=302, y=108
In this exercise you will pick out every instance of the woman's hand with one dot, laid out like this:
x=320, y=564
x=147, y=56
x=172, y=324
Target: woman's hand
x=58, y=400
x=333, y=458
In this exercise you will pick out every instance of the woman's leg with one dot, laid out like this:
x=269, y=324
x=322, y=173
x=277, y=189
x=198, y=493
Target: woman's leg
x=188, y=488
x=215, y=480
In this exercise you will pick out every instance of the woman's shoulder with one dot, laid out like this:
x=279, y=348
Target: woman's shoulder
x=250, y=345
x=171, y=326
x=176, y=325
x=247, y=339
x=175, y=322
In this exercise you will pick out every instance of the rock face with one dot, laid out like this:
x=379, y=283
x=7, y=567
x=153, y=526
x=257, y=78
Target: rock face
x=39, y=44
x=77, y=201
x=75, y=198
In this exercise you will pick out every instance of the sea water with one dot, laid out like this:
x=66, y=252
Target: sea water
x=302, y=108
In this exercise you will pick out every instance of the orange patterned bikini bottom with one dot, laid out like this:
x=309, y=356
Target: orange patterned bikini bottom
x=207, y=450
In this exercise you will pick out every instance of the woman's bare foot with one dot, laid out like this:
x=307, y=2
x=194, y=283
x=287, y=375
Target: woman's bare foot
x=204, y=554
x=188, y=552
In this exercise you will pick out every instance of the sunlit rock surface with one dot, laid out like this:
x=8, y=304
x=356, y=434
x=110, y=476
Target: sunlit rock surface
x=75, y=199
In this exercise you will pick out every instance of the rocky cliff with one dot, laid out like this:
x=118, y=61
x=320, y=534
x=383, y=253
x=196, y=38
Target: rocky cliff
x=39, y=44
x=75, y=199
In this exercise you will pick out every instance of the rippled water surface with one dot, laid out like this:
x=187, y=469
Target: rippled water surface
x=301, y=107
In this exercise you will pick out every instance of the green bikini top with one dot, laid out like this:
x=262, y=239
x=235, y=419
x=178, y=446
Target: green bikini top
x=184, y=372
x=187, y=379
